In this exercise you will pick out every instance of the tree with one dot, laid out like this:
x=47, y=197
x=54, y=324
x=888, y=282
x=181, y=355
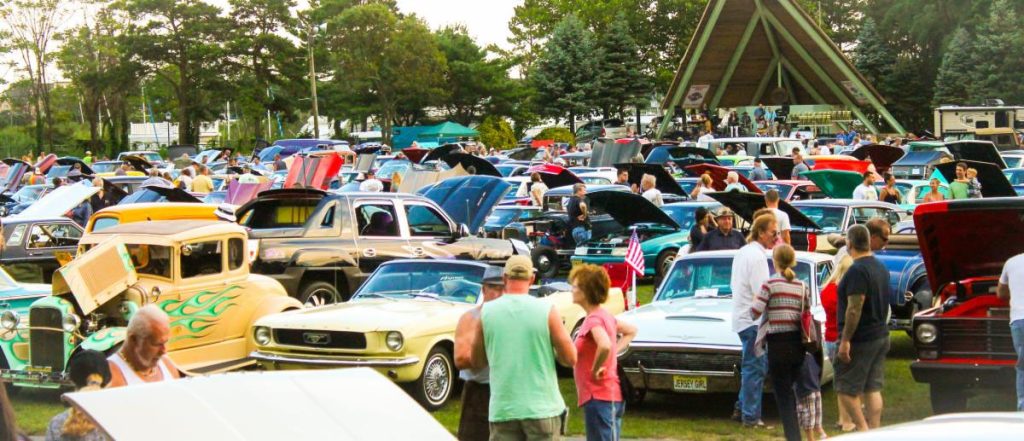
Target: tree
x=476, y=85
x=998, y=60
x=496, y=132
x=31, y=27
x=623, y=80
x=387, y=66
x=180, y=42
x=954, y=73
x=563, y=76
x=873, y=57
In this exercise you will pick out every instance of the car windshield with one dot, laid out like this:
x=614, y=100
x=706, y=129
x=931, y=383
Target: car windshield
x=502, y=216
x=154, y=260
x=142, y=196
x=29, y=193
x=448, y=281
x=683, y=214
x=1016, y=177
x=829, y=218
x=709, y=277
x=1012, y=161
x=105, y=167
x=389, y=168
x=783, y=189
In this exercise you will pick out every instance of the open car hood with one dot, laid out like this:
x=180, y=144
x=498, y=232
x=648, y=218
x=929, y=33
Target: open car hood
x=415, y=179
x=523, y=154
x=953, y=253
x=922, y=158
x=718, y=175
x=221, y=407
x=16, y=171
x=172, y=194
x=58, y=201
x=80, y=278
x=415, y=154
x=745, y=204
x=554, y=176
x=313, y=171
x=137, y=162
x=981, y=151
x=112, y=193
x=468, y=199
x=993, y=182
x=836, y=184
x=364, y=161
x=841, y=164
x=607, y=152
x=629, y=208
x=781, y=166
x=239, y=193
x=438, y=153
x=480, y=166
x=44, y=164
x=664, y=182
x=71, y=161
x=882, y=156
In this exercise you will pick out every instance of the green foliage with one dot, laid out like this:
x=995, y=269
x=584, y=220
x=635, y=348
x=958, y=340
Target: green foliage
x=955, y=72
x=622, y=81
x=998, y=56
x=874, y=57
x=496, y=132
x=559, y=134
x=476, y=86
x=565, y=72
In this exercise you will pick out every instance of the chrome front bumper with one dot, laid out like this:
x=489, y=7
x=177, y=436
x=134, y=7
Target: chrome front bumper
x=278, y=359
x=662, y=379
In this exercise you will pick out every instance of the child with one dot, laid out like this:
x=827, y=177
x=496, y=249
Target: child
x=973, y=185
x=808, y=399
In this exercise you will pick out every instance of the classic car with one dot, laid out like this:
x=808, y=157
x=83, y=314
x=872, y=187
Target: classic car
x=757, y=146
x=321, y=246
x=149, y=211
x=401, y=322
x=837, y=215
x=153, y=193
x=506, y=222
x=792, y=190
x=16, y=170
x=63, y=166
x=21, y=199
x=682, y=156
x=964, y=344
x=913, y=191
x=15, y=299
x=685, y=342
x=57, y=202
x=661, y=234
x=34, y=248
x=195, y=271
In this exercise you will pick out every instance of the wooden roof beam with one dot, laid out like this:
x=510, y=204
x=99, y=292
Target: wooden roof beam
x=763, y=85
x=730, y=69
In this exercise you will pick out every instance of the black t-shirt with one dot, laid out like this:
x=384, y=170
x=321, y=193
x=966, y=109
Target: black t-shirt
x=573, y=208
x=696, y=236
x=869, y=277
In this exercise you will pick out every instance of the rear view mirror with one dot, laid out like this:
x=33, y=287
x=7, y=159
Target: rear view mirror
x=463, y=231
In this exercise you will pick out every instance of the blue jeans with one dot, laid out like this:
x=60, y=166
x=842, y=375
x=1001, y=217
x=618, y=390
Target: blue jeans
x=752, y=375
x=1017, y=332
x=603, y=420
x=580, y=235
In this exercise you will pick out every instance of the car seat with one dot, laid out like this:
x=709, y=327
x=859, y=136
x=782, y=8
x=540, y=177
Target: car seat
x=381, y=224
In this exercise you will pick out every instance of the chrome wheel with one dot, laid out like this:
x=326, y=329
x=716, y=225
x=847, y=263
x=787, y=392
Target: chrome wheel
x=437, y=379
x=319, y=294
x=320, y=298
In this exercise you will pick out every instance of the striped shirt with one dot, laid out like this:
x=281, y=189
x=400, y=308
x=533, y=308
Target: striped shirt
x=783, y=300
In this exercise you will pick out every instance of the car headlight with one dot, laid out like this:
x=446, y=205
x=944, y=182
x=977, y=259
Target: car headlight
x=620, y=251
x=9, y=320
x=580, y=251
x=71, y=323
x=926, y=333
x=262, y=335
x=394, y=341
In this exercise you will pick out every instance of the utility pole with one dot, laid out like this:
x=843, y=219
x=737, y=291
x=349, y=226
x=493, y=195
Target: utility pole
x=312, y=79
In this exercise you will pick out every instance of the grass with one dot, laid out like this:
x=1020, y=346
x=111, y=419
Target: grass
x=676, y=416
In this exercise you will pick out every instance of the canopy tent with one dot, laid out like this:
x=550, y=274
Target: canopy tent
x=449, y=129
x=757, y=44
x=430, y=136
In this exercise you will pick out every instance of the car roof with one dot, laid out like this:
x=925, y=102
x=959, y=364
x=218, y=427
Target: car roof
x=173, y=230
x=803, y=256
x=15, y=221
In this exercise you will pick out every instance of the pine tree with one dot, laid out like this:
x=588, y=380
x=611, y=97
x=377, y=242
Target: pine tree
x=955, y=71
x=998, y=58
x=564, y=73
x=874, y=57
x=622, y=80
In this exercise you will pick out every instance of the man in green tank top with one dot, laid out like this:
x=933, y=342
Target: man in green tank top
x=519, y=338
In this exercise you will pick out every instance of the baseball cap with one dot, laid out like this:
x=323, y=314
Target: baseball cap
x=493, y=276
x=519, y=267
x=722, y=212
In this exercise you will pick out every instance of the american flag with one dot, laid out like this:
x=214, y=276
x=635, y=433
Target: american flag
x=634, y=255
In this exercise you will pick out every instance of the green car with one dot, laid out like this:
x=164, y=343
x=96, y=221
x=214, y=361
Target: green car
x=662, y=232
x=15, y=299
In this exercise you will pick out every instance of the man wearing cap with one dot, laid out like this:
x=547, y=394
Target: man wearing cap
x=520, y=337
x=88, y=157
x=724, y=237
x=476, y=393
x=371, y=183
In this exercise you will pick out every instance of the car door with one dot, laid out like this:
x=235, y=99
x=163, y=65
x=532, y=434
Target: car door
x=380, y=235
x=429, y=229
x=47, y=245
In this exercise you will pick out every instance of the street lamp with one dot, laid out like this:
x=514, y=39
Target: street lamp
x=167, y=121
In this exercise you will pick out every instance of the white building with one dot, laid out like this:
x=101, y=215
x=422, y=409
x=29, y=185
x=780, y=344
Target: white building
x=153, y=135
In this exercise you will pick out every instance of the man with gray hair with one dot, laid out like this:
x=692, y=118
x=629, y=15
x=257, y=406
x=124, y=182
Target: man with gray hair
x=732, y=182
x=649, y=190
x=864, y=338
x=143, y=356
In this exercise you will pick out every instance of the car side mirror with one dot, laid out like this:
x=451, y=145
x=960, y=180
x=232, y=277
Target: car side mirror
x=463, y=231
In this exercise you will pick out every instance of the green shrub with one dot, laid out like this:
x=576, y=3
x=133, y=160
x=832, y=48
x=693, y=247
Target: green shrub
x=559, y=134
x=496, y=132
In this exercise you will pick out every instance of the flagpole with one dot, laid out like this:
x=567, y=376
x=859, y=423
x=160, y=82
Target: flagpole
x=632, y=296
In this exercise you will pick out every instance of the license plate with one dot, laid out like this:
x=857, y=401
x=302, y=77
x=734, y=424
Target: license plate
x=690, y=384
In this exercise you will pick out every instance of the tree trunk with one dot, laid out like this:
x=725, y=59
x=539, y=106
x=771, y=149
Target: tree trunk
x=39, y=118
x=572, y=122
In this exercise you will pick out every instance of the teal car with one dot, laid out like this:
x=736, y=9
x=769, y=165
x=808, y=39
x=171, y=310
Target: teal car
x=15, y=298
x=662, y=232
x=913, y=191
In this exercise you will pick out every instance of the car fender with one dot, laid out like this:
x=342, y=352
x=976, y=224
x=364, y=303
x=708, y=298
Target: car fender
x=322, y=257
x=268, y=306
x=105, y=339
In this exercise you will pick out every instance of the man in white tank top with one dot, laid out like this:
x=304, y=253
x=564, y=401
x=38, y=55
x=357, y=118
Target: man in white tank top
x=142, y=358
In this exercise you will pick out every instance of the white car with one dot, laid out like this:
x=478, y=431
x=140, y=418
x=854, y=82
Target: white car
x=685, y=342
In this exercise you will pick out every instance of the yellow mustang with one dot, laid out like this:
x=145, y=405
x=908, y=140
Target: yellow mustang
x=401, y=322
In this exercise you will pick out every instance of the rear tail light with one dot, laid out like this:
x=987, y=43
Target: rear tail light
x=524, y=202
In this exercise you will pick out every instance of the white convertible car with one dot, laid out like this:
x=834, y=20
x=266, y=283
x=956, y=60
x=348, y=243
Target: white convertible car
x=685, y=341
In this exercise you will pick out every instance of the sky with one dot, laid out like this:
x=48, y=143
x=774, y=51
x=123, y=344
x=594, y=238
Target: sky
x=486, y=20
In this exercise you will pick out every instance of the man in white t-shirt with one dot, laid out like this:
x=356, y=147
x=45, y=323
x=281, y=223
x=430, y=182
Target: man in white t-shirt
x=371, y=183
x=866, y=190
x=1011, y=288
x=648, y=184
x=771, y=200
x=705, y=139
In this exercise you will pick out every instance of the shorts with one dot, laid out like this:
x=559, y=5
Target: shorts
x=533, y=429
x=473, y=424
x=808, y=411
x=866, y=370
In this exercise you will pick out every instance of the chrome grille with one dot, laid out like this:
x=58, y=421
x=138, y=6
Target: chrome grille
x=987, y=338
x=320, y=339
x=684, y=361
x=47, y=345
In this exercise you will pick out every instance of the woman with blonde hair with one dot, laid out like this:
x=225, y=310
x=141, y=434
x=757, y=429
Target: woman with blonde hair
x=704, y=185
x=782, y=300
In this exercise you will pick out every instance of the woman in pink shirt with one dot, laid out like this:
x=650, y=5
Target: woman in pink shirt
x=597, y=381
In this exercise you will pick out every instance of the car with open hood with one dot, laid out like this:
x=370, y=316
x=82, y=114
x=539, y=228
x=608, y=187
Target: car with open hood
x=401, y=322
x=803, y=232
x=835, y=216
x=963, y=343
x=791, y=190
x=685, y=342
x=195, y=271
x=58, y=202
x=661, y=235
x=321, y=246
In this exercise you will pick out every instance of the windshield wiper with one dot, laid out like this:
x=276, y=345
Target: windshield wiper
x=373, y=294
x=432, y=296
